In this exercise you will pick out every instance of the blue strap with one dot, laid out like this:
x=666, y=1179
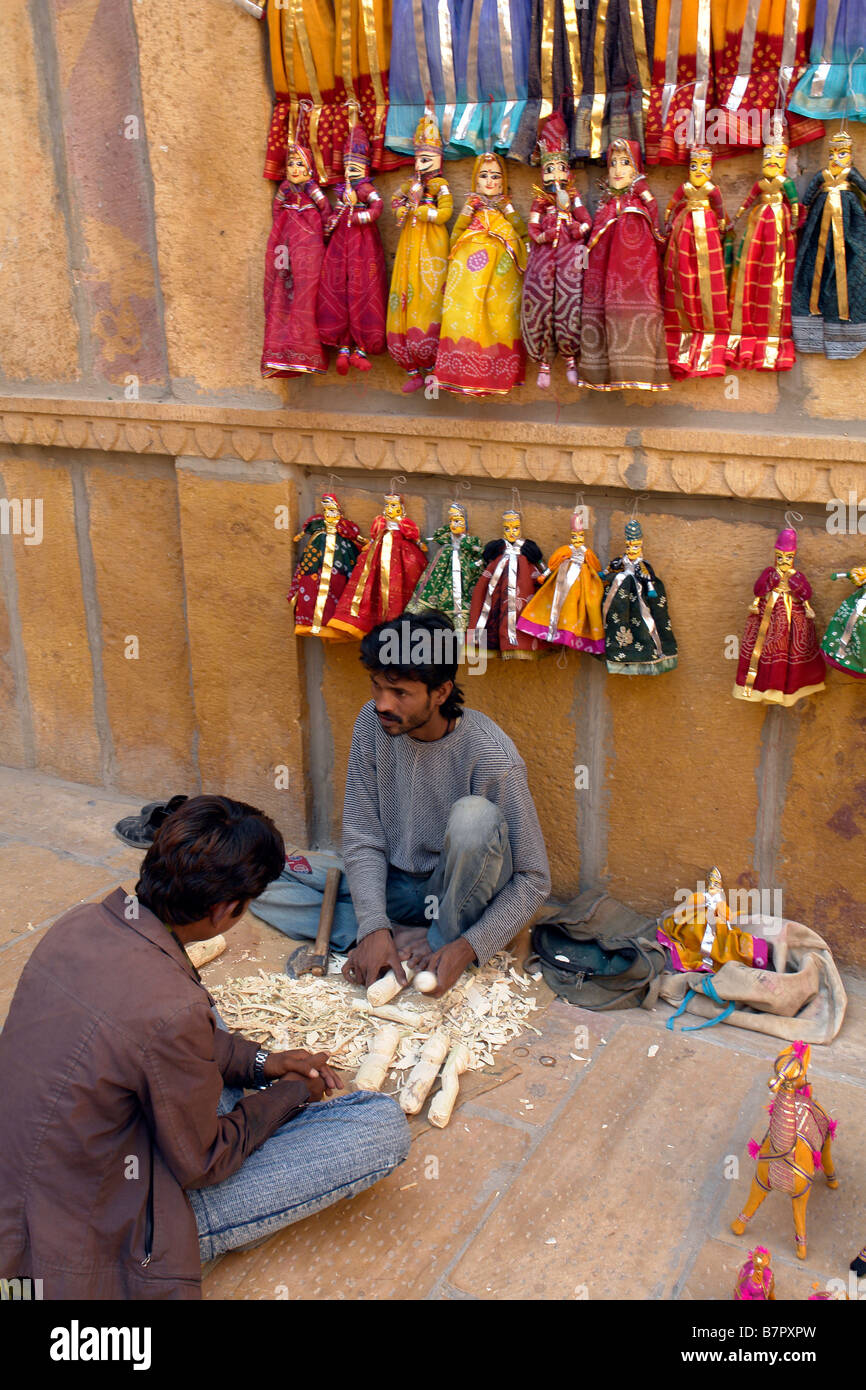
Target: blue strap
x=708, y=988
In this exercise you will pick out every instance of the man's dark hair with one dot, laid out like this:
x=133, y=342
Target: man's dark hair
x=417, y=647
x=211, y=850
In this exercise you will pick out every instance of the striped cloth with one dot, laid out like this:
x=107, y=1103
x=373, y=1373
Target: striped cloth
x=399, y=794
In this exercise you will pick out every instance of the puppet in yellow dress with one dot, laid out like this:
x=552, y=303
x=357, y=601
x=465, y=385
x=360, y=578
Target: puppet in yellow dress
x=422, y=207
x=701, y=936
x=567, y=607
x=481, y=350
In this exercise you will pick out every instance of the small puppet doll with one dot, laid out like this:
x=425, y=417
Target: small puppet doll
x=695, y=292
x=844, y=643
x=293, y=266
x=323, y=569
x=511, y=575
x=780, y=662
x=755, y=1281
x=622, y=338
x=353, y=290
x=451, y=577
x=385, y=574
x=639, y=639
x=760, y=292
x=828, y=305
x=567, y=608
x=481, y=352
x=559, y=225
x=700, y=935
x=422, y=207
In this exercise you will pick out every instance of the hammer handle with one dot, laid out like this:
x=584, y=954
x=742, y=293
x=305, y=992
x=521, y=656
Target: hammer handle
x=326, y=922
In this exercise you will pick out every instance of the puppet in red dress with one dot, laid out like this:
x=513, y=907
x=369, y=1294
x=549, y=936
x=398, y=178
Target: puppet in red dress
x=780, y=661
x=353, y=290
x=622, y=339
x=293, y=265
x=385, y=574
x=763, y=277
x=696, y=292
x=512, y=573
x=553, y=283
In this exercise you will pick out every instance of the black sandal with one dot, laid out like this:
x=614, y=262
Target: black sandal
x=140, y=831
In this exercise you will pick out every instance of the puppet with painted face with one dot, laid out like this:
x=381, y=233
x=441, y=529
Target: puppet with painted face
x=553, y=284
x=353, y=290
x=422, y=207
x=481, y=352
x=780, y=661
x=622, y=339
x=567, y=608
x=293, y=267
x=323, y=569
x=639, y=639
x=512, y=573
x=385, y=574
x=695, y=291
x=828, y=305
x=844, y=642
x=447, y=585
x=760, y=293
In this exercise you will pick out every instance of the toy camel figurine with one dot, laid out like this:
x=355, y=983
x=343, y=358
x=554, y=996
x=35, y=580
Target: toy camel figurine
x=755, y=1281
x=797, y=1142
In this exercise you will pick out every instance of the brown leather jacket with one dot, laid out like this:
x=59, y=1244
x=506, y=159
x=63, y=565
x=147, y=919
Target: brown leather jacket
x=111, y=1067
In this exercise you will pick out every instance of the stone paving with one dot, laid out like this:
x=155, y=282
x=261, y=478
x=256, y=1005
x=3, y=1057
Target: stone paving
x=610, y=1175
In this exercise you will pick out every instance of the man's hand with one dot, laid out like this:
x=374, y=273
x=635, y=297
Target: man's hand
x=311, y=1067
x=449, y=963
x=372, y=957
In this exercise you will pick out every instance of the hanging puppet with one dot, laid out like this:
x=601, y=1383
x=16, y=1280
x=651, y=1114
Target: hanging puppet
x=451, y=577
x=844, y=643
x=511, y=575
x=353, y=289
x=385, y=574
x=293, y=267
x=481, y=352
x=567, y=608
x=422, y=207
x=780, y=662
x=323, y=569
x=760, y=293
x=695, y=292
x=828, y=305
x=639, y=639
x=553, y=284
x=622, y=339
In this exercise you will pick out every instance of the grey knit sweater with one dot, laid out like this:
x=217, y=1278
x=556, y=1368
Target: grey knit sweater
x=399, y=793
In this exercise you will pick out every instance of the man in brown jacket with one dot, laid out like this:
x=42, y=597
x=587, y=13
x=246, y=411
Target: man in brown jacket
x=123, y=1161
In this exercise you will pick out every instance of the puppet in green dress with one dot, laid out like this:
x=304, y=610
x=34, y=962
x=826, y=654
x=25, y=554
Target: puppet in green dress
x=446, y=586
x=844, y=643
x=639, y=639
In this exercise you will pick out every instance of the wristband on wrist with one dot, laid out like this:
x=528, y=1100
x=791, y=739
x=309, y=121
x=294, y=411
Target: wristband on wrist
x=260, y=1081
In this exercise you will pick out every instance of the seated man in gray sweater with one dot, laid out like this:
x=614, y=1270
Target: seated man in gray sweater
x=441, y=841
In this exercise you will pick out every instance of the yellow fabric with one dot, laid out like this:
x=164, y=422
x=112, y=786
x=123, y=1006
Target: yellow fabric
x=581, y=611
x=686, y=927
x=421, y=262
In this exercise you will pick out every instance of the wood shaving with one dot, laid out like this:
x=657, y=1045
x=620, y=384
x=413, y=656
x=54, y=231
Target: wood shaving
x=487, y=1008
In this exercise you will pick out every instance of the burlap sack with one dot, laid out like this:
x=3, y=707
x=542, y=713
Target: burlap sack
x=801, y=998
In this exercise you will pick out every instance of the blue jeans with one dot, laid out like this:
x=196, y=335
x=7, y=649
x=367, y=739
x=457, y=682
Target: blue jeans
x=475, y=864
x=334, y=1149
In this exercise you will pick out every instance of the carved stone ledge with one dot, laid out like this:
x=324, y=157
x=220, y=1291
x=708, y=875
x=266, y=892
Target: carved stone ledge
x=796, y=468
